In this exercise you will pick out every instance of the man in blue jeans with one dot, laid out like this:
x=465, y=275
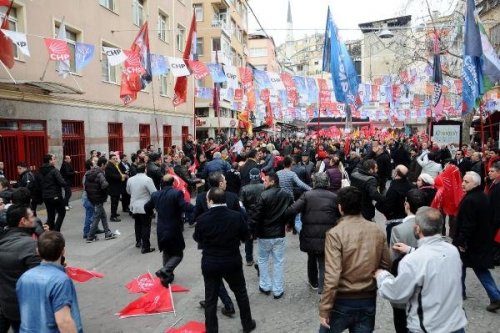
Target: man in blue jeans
x=354, y=249
x=269, y=216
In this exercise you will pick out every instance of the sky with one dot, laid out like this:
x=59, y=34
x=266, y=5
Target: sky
x=309, y=16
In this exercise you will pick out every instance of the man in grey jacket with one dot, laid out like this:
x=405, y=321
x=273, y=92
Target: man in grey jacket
x=140, y=187
x=432, y=306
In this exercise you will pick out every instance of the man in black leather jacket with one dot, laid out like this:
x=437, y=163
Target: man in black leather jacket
x=364, y=180
x=270, y=220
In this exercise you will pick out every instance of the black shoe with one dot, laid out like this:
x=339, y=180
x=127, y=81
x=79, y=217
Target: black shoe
x=494, y=306
x=265, y=292
x=117, y=215
x=314, y=286
x=151, y=249
x=228, y=311
x=115, y=219
x=84, y=236
x=138, y=245
x=165, y=277
x=110, y=236
x=279, y=296
x=202, y=304
x=251, y=327
x=99, y=231
x=93, y=239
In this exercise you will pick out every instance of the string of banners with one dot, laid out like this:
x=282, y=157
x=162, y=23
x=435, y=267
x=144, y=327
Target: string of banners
x=389, y=98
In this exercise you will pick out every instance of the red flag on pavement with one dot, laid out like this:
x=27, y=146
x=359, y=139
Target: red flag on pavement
x=157, y=300
x=190, y=327
x=145, y=282
x=6, y=46
x=82, y=275
x=180, y=89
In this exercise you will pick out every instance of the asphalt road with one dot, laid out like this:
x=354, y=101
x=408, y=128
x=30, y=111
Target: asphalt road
x=297, y=311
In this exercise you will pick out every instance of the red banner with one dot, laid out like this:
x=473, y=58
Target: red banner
x=246, y=77
x=180, y=89
x=198, y=68
x=58, y=49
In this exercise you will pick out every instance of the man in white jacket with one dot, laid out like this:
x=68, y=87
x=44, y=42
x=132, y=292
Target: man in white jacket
x=432, y=306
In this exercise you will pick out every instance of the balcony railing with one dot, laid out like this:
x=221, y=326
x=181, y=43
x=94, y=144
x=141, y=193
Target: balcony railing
x=224, y=26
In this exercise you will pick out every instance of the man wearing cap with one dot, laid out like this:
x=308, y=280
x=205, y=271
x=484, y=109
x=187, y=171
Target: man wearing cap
x=249, y=196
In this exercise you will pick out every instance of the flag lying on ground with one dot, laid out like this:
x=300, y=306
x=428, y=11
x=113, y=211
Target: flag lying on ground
x=157, y=300
x=189, y=327
x=82, y=275
x=6, y=46
x=472, y=74
x=180, y=89
x=145, y=282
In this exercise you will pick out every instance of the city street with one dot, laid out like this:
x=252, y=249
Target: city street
x=297, y=311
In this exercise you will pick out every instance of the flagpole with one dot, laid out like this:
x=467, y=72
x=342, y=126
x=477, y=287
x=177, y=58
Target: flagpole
x=172, y=298
x=8, y=72
x=194, y=108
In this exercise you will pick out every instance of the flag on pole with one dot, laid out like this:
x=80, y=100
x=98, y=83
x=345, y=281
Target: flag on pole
x=472, y=74
x=337, y=61
x=180, y=89
x=82, y=275
x=63, y=66
x=83, y=55
x=6, y=46
x=19, y=39
x=137, y=68
x=491, y=62
x=437, y=78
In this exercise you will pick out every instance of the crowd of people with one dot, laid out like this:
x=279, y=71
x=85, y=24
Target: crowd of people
x=441, y=205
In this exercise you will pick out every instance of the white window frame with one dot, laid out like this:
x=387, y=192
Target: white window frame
x=180, y=37
x=138, y=12
x=198, y=12
x=200, y=46
x=110, y=69
x=108, y=4
x=165, y=85
x=163, y=27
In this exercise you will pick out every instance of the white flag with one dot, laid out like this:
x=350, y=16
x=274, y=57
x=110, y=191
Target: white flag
x=63, y=66
x=276, y=81
x=232, y=76
x=178, y=67
x=115, y=56
x=19, y=39
x=237, y=147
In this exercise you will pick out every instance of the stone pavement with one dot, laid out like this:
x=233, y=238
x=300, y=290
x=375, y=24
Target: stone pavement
x=297, y=311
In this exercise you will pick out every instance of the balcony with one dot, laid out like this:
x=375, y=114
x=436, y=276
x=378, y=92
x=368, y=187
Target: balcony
x=220, y=4
x=223, y=58
x=224, y=26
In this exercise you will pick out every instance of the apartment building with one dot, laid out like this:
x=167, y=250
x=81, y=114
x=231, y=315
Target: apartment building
x=45, y=113
x=222, y=27
x=262, y=53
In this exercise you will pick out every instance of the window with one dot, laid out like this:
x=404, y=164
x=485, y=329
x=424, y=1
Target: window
x=185, y=133
x=167, y=138
x=199, y=46
x=109, y=4
x=164, y=85
x=258, y=52
x=71, y=39
x=198, y=12
x=202, y=112
x=73, y=139
x=180, y=37
x=138, y=12
x=108, y=72
x=162, y=27
x=115, y=137
x=216, y=44
x=12, y=23
x=144, y=135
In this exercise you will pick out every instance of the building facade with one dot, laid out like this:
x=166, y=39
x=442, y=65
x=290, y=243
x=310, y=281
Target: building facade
x=262, y=53
x=45, y=113
x=222, y=28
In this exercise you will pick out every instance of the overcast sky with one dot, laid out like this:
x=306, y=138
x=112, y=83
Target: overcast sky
x=309, y=16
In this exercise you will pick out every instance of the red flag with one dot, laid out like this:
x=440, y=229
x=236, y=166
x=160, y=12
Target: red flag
x=198, y=68
x=6, y=3
x=6, y=46
x=190, y=327
x=58, y=49
x=137, y=68
x=269, y=114
x=180, y=185
x=180, y=89
x=146, y=282
x=246, y=76
x=82, y=275
x=449, y=190
x=157, y=300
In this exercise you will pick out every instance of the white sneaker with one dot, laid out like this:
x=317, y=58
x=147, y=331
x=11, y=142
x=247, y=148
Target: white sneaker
x=67, y=207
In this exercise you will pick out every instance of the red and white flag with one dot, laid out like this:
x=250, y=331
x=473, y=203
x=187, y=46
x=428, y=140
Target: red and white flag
x=145, y=282
x=198, y=69
x=180, y=89
x=82, y=275
x=6, y=46
x=58, y=49
x=157, y=300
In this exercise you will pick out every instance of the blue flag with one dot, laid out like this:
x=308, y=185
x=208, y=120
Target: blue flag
x=83, y=55
x=472, y=75
x=312, y=90
x=217, y=73
x=262, y=79
x=338, y=62
x=158, y=65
